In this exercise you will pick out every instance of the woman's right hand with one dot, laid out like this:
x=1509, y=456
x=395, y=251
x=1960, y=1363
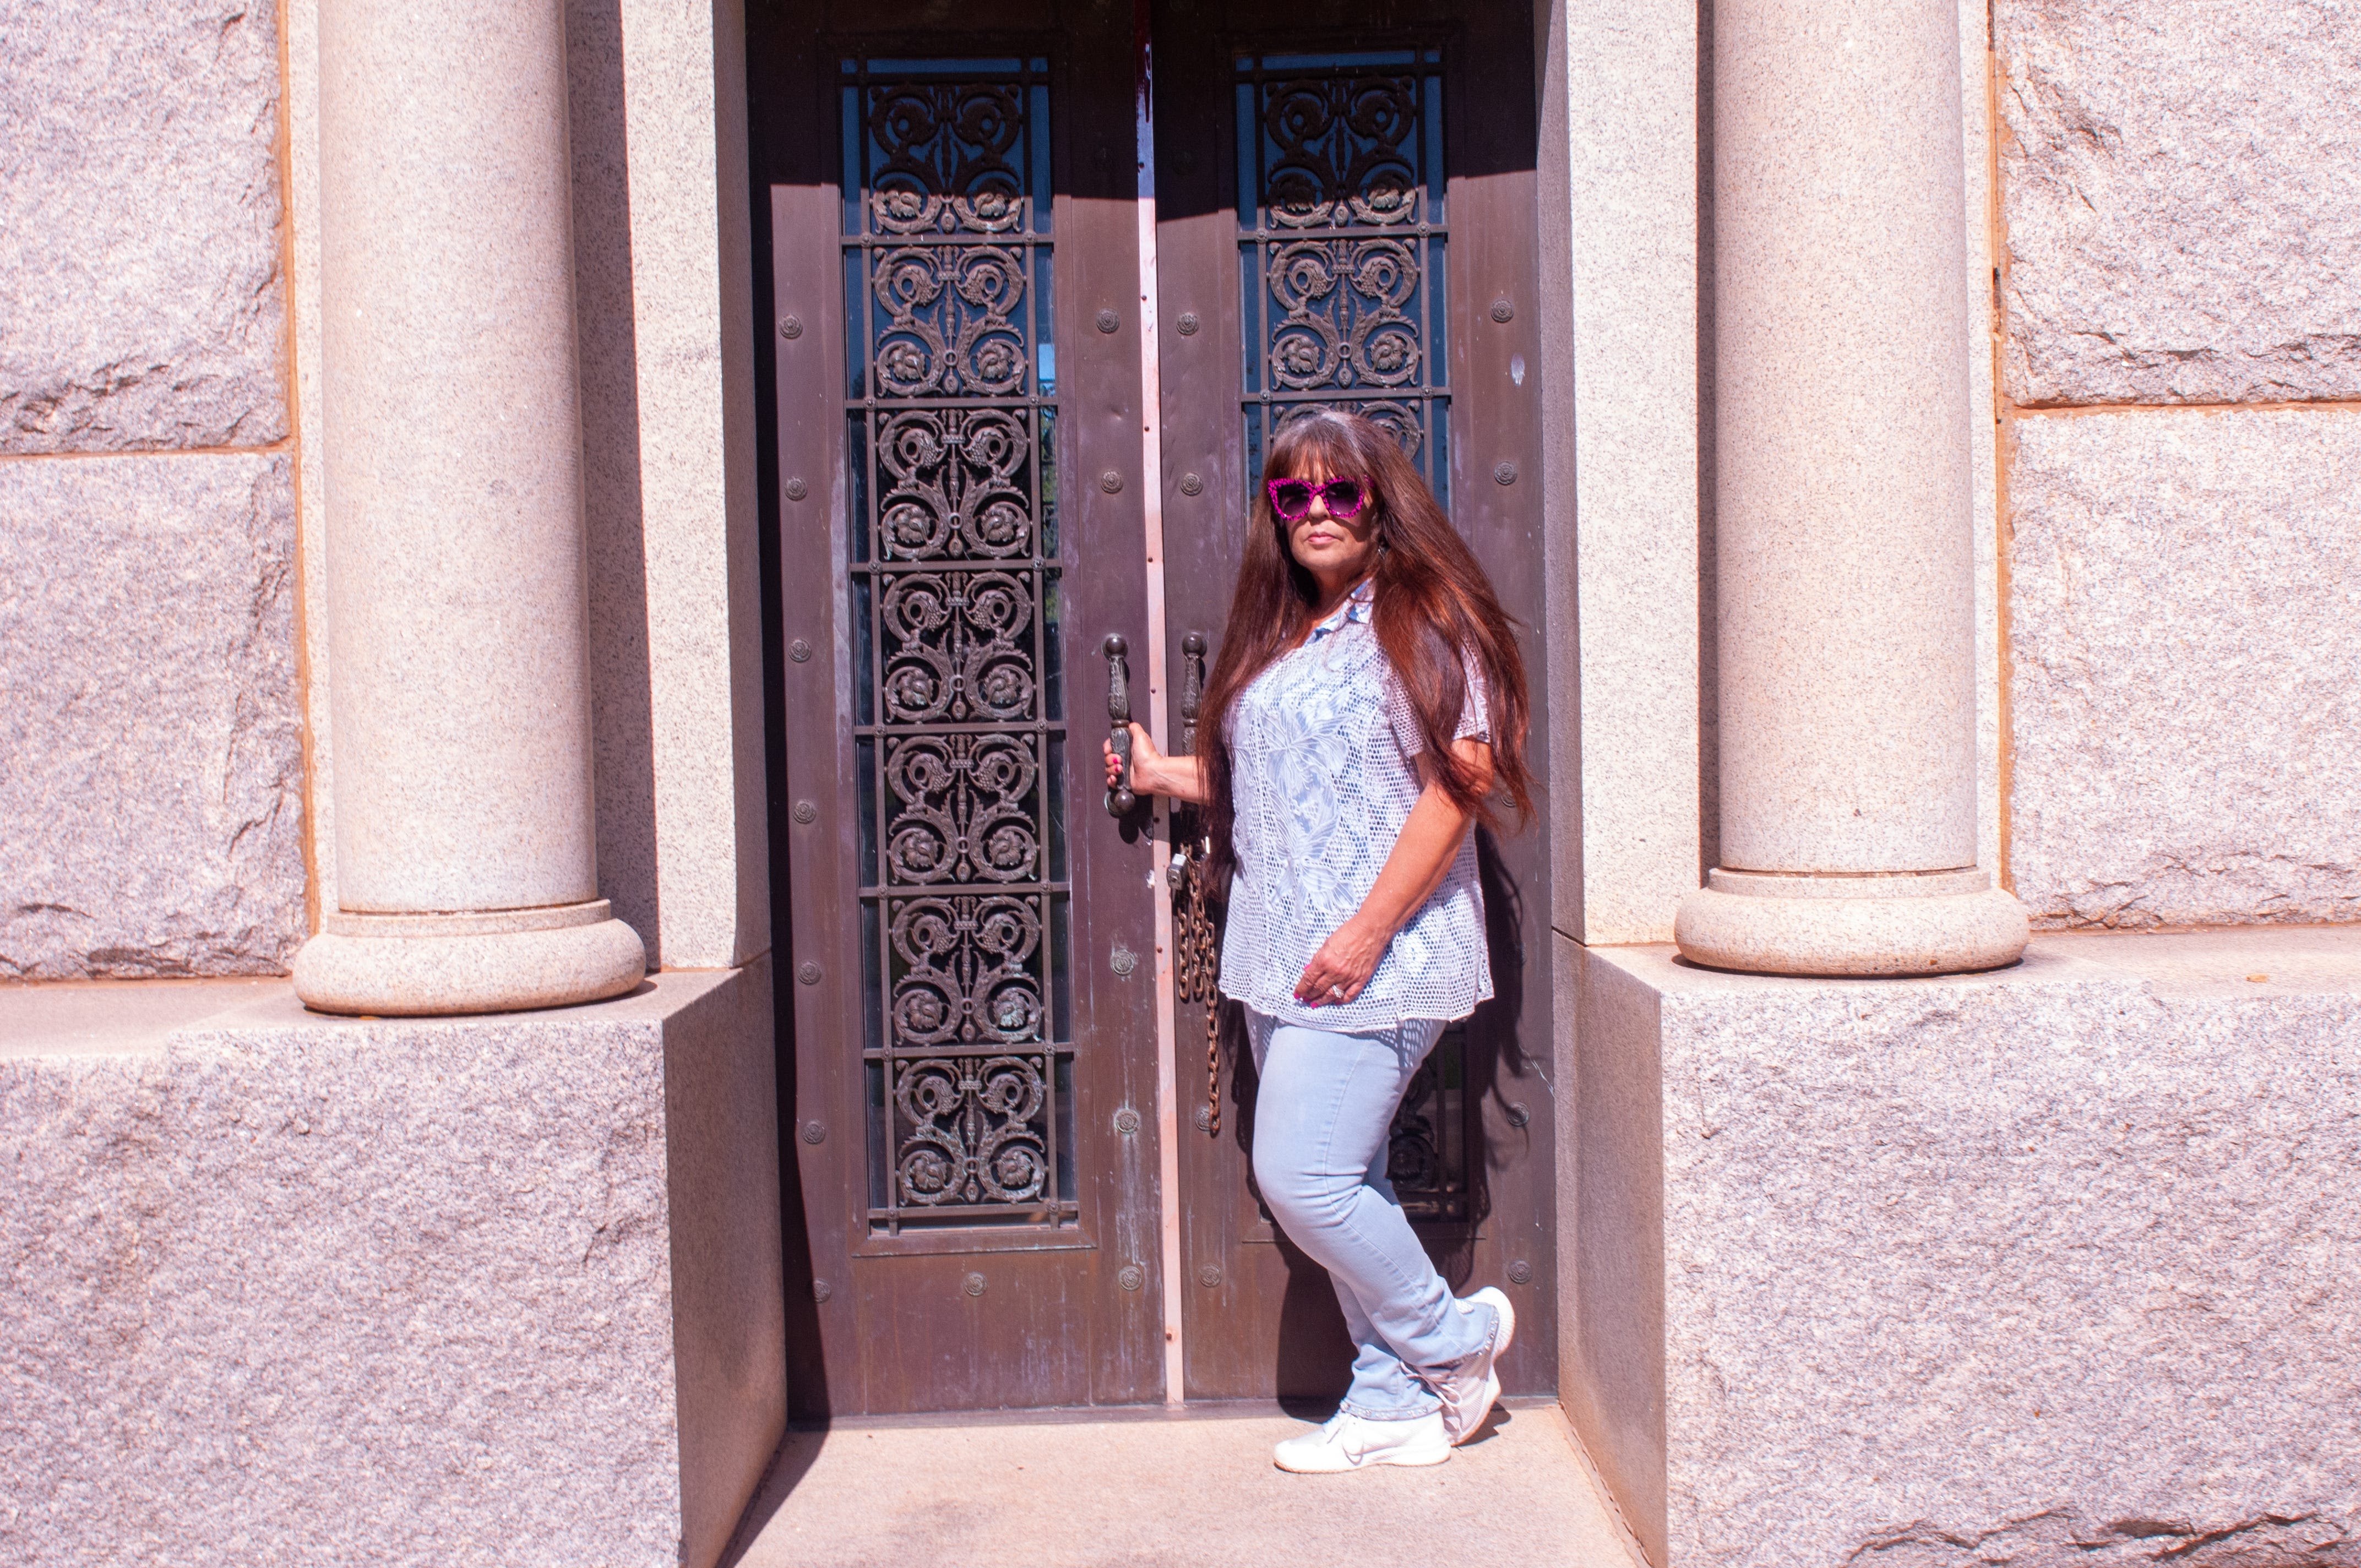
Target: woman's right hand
x=1146, y=764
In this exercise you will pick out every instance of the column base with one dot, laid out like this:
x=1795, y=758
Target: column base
x=1913, y=923
x=506, y=960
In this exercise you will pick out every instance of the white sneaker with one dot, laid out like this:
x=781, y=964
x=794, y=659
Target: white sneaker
x=1471, y=1393
x=1355, y=1443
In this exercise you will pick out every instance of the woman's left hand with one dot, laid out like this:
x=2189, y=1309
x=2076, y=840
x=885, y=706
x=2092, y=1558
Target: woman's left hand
x=1343, y=966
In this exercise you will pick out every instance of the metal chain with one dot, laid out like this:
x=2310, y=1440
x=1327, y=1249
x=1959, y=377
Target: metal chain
x=1198, y=966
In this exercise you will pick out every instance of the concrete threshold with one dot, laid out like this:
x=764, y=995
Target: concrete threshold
x=1152, y=1487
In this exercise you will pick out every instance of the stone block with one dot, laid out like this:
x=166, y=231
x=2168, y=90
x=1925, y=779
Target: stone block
x=2181, y=198
x=139, y=226
x=2050, y=1267
x=2184, y=625
x=1622, y=492
x=282, y=1291
x=151, y=764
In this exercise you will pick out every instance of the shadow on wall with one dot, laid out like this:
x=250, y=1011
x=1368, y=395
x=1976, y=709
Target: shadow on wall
x=623, y=726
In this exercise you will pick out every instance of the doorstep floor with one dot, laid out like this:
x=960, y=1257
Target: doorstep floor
x=1192, y=1489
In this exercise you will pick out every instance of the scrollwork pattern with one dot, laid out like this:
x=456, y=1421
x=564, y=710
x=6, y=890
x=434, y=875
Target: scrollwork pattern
x=958, y=485
x=1342, y=319
x=970, y=1130
x=951, y=321
x=956, y=647
x=1338, y=152
x=962, y=973
x=1425, y=1150
x=966, y=809
x=945, y=163
x=955, y=566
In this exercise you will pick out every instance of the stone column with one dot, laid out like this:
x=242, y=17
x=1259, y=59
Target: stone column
x=1846, y=557
x=466, y=870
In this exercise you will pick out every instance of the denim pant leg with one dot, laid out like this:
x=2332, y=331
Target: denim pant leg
x=1380, y=1381
x=1321, y=1116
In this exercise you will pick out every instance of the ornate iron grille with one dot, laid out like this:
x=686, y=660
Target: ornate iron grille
x=1426, y=1149
x=959, y=712
x=1341, y=244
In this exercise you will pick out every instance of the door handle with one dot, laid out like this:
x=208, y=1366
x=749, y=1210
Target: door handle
x=1119, y=800
x=1192, y=688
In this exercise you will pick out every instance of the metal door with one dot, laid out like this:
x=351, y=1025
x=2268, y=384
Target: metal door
x=953, y=264
x=1346, y=212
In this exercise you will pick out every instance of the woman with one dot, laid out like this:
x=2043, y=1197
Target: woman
x=1367, y=700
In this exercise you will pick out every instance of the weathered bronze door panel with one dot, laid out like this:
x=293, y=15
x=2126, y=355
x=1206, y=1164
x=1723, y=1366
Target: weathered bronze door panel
x=953, y=271
x=952, y=294
x=1347, y=216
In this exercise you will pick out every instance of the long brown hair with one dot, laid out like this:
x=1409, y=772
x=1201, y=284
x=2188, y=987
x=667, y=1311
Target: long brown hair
x=1431, y=604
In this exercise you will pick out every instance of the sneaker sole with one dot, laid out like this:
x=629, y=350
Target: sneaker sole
x=1505, y=1310
x=1405, y=1461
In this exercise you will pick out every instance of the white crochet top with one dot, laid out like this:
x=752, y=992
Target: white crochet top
x=1324, y=747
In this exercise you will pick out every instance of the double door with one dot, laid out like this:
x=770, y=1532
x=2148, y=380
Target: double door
x=1017, y=1189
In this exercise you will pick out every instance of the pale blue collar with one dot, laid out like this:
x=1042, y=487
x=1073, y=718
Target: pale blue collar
x=1356, y=608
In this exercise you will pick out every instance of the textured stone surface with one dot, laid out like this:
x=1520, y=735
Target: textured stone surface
x=505, y=961
x=1623, y=436
x=1939, y=923
x=2184, y=626
x=1845, y=551
x=150, y=745
x=664, y=298
x=302, y=20
x=288, y=1291
x=1156, y=1493
x=2181, y=199
x=1980, y=1264
x=139, y=226
x=457, y=579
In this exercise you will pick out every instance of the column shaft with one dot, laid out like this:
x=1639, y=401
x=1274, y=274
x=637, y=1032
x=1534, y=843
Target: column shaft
x=458, y=621
x=1846, y=633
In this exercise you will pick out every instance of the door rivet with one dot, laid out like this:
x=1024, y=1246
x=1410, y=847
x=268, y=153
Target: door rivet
x=974, y=1285
x=815, y=1132
x=1131, y=1276
x=820, y=1290
x=1111, y=482
x=1123, y=960
x=807, y=812
x=809, y=974
x=1188, y=324
x=789, y=328
x=1109, y=321
x=1127, y=1121
x=797, y=489
x=799, y=650
x=1204, y=1119
x=1520, y=1272
x=1519, y=1113
x=1505, y=472
x=1190, y=485
x=1503, y=312
x=1210, y=1276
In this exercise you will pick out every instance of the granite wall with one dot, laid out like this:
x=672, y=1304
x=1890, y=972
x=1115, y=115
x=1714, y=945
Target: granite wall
x=2186, y=623
x=2051, y=1266
x=151, y=783
x=282, y=1291
x=2181, y=224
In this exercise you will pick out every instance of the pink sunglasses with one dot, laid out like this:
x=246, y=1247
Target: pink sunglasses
x=1291, y=499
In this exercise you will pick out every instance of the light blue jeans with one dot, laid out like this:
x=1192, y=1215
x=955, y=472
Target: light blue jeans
x=1321, y=1120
